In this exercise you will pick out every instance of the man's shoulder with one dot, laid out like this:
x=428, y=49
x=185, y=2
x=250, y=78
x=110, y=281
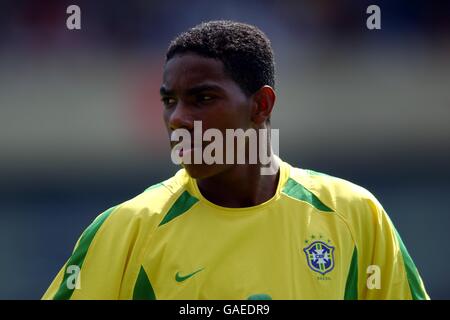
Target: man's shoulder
x=140, y=215
x=341, y=195
x=154, y=202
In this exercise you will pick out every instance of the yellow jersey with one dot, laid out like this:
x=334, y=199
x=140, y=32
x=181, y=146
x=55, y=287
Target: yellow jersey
x=318, y=237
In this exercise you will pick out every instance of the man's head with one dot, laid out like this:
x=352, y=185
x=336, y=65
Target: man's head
x=222, y=74
x=244, y=50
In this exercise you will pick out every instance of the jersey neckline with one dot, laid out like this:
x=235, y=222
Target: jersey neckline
x=284, y=175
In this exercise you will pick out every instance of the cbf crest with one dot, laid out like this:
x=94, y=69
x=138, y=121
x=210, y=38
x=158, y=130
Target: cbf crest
x=320, y=257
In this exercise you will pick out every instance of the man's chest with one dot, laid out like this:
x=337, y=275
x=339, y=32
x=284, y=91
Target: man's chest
x=284, y=256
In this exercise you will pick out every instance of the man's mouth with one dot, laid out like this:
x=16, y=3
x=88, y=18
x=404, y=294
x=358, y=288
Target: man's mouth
x=186, y=151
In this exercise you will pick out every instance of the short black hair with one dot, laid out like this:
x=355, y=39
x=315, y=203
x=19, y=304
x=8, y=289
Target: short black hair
x=244, y=50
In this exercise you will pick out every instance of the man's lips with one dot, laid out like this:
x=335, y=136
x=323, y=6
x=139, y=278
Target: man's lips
x=184, y=150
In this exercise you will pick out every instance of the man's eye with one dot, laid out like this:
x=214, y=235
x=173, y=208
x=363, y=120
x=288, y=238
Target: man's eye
x=205, y=98
x=167, y=101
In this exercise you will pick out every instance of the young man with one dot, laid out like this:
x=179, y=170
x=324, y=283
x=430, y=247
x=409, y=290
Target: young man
x=225, y=230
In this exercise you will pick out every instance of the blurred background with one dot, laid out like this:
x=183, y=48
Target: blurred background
x=81, y=122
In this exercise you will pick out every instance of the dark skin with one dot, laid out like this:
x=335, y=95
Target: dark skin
x=197, y=88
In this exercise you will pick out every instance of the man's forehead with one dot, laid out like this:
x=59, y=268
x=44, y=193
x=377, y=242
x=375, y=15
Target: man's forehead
x=193, y=69
x=193, y=87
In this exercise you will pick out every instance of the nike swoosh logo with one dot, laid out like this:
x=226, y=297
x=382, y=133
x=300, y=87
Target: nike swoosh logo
x=180, y=278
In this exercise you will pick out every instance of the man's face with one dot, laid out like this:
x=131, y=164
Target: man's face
x=196, y=88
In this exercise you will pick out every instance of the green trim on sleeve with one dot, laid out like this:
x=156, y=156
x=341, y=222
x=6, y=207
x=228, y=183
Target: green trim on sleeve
x=295, y=190
x=181, y=205
x=77, y=258
x=143, y=289
x=415, y=283
x=317, y=173
x=351, y=287
x=154, y=186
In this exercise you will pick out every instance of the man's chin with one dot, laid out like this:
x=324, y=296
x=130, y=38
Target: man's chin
x=203, y=171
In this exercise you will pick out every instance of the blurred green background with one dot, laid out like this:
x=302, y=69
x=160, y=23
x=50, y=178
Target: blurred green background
x=81, y=122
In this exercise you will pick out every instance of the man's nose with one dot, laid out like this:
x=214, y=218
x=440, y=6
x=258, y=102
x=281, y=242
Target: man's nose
x=181, y=117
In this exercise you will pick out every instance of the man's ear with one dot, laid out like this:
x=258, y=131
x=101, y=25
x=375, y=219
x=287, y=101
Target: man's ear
x=263, y=102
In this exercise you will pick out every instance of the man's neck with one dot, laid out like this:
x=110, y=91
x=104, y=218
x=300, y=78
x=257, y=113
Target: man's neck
x=240, y=186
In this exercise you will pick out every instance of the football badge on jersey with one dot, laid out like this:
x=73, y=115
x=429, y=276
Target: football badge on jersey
x=320, y=257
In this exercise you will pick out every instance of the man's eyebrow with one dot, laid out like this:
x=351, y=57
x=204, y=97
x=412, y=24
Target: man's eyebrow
x=193, y=90
x=203, y=87
x=165, y=92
